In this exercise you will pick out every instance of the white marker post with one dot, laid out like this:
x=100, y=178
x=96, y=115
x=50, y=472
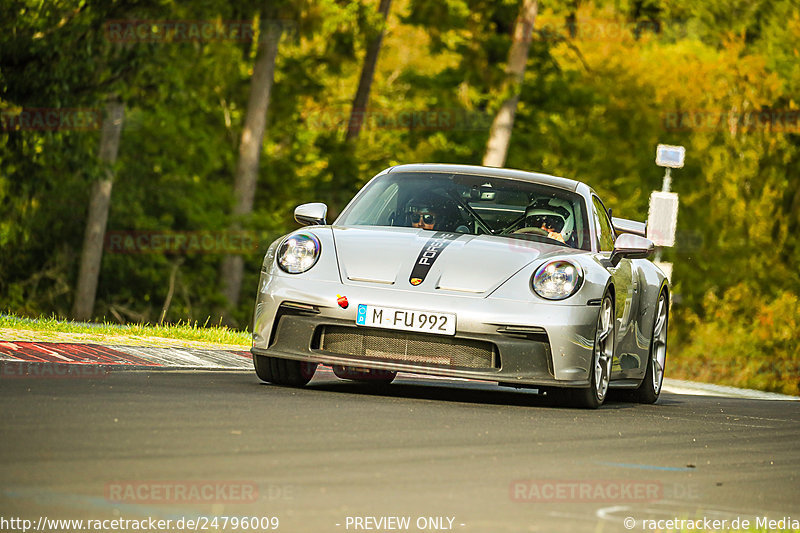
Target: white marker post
x=662, y=219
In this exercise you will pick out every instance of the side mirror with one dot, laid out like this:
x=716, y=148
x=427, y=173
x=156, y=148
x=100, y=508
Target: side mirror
x=632, y=247
x=311, y=214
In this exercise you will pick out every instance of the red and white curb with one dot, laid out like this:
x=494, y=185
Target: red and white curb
x=147, y=357
x=123, y=357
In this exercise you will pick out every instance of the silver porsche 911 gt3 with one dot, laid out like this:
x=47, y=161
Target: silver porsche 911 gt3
x=467, y=272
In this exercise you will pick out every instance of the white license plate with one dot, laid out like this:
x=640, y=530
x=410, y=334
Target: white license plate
x=406, y=319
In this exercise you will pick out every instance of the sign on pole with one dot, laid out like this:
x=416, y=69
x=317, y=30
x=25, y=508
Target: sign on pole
x=670, y=156
x=662, y=218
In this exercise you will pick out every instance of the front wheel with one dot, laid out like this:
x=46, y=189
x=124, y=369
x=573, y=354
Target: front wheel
x=602, y=356
x=650, y=388
x=283, y=371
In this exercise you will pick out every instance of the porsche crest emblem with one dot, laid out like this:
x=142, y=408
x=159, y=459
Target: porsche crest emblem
x=415, y=281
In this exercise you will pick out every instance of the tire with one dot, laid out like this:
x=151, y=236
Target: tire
x=283, y=371
x=364, y=375
x=602, y=357
x=650, y=389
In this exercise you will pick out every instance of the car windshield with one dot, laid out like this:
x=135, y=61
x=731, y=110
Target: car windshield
x=471, y=204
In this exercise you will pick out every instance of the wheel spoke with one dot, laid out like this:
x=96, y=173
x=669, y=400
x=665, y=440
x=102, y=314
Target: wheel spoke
x=598, y=373
x=658, y=376
x=659, y=354
x=602, y=375
x=603, y=350
x=660, y=325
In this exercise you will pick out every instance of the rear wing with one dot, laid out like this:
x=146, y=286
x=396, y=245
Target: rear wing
x=622, y=225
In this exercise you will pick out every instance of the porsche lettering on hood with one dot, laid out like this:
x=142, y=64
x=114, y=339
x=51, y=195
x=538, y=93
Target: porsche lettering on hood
x=469, y=264
x=430, y=252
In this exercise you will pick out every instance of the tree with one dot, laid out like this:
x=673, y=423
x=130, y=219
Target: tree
x=367, y=73
x=503, y=123
x=252, y=138
x=99, y=205
x=58, y=58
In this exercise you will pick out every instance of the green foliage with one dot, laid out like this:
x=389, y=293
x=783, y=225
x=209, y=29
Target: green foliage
x=742, y=341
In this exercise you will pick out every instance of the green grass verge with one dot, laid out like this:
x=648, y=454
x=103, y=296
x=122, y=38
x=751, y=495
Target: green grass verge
x=180, y=331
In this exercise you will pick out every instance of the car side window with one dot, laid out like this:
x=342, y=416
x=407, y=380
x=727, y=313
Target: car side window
x=605, y=231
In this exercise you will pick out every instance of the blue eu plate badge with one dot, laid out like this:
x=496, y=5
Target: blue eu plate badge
x=361, y=318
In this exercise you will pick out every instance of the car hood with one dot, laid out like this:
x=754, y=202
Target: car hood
x=431, y=262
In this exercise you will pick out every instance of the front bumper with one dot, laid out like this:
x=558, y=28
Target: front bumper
x=534, y=344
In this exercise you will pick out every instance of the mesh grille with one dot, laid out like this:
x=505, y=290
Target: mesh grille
x=408, y=347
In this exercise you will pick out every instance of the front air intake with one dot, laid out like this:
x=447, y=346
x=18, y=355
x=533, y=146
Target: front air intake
x=406, y=347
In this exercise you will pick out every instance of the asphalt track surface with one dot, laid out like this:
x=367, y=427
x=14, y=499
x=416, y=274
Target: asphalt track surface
x=490, y=459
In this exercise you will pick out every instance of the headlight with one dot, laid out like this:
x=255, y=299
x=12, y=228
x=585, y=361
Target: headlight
x=557, y=280
x=298, y=253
